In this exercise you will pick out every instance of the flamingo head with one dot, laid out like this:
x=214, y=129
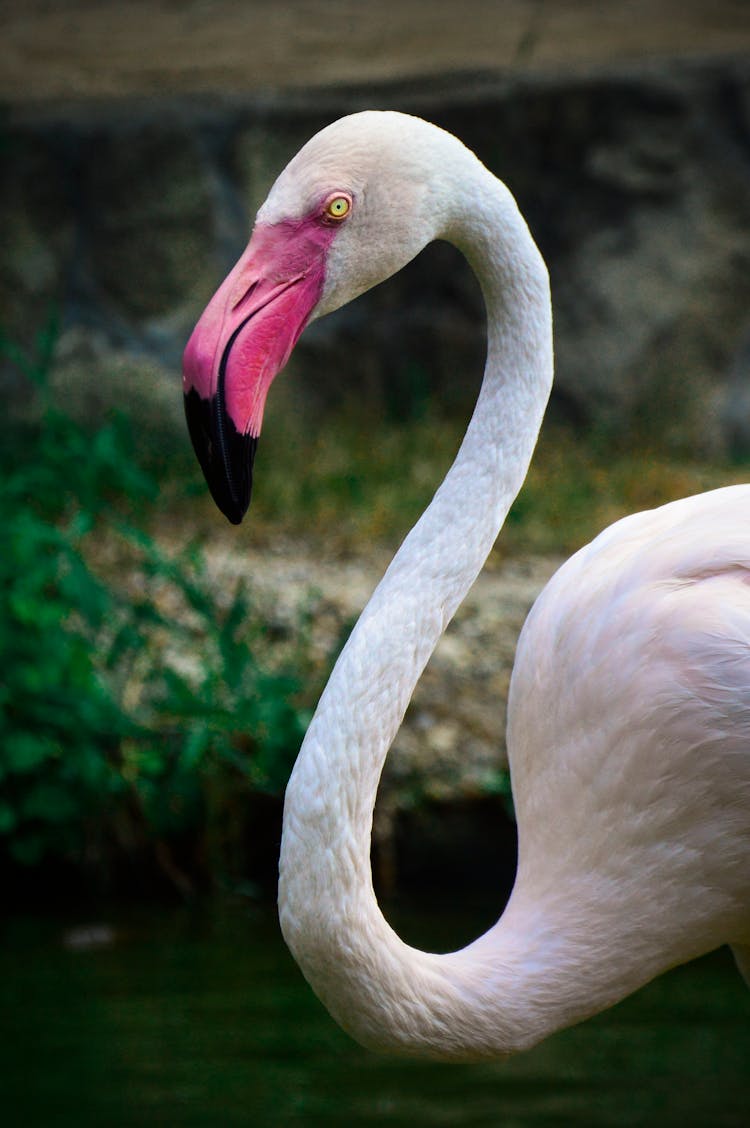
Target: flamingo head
x=357, y=202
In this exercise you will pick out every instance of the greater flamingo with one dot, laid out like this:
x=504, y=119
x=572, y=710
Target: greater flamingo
x=629, y=711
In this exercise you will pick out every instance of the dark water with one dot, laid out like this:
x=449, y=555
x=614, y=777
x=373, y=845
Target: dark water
x=203, y=1020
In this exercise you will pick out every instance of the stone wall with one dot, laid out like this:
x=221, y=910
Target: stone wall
x=124, y=216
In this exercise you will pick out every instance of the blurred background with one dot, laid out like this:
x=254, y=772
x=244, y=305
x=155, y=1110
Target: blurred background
x=160, y=667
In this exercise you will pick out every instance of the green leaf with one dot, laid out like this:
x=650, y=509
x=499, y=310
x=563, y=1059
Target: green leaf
x=26, y=751
x=49, y=802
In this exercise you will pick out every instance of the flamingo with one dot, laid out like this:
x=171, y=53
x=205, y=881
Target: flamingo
x=629, y=707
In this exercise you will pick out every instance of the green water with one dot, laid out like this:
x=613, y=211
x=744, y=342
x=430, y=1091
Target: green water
x=202, y=1020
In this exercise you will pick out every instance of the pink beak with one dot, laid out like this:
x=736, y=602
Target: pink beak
x=243, y=339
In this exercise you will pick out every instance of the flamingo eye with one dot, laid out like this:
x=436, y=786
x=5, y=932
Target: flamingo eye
x=338, y=207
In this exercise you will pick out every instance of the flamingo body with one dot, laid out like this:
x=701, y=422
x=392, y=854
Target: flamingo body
x=629, y=710
x=635, y=775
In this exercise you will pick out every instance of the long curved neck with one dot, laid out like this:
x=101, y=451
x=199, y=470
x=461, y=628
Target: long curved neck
x=384, y=992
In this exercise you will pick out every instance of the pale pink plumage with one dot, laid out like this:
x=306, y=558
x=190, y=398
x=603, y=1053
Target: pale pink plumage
x=639, y=648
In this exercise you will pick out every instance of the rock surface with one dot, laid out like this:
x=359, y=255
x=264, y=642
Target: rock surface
x=635, y=182
x=123, y=48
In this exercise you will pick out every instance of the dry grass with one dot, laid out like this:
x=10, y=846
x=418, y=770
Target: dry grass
x=349, y=484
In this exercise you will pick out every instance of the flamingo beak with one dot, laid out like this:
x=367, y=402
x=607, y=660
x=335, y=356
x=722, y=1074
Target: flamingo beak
x=241, y=342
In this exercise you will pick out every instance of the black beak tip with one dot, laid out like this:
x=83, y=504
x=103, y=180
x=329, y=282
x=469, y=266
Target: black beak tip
x=233, y=517
x=226, y=456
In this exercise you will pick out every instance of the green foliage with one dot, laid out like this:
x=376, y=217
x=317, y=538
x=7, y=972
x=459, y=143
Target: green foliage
x=135, y=703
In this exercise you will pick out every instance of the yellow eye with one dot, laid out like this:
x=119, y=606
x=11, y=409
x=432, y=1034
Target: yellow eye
x=338, y=207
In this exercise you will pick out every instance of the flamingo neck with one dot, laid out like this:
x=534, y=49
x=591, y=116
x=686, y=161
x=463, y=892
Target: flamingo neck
x=385, y=993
